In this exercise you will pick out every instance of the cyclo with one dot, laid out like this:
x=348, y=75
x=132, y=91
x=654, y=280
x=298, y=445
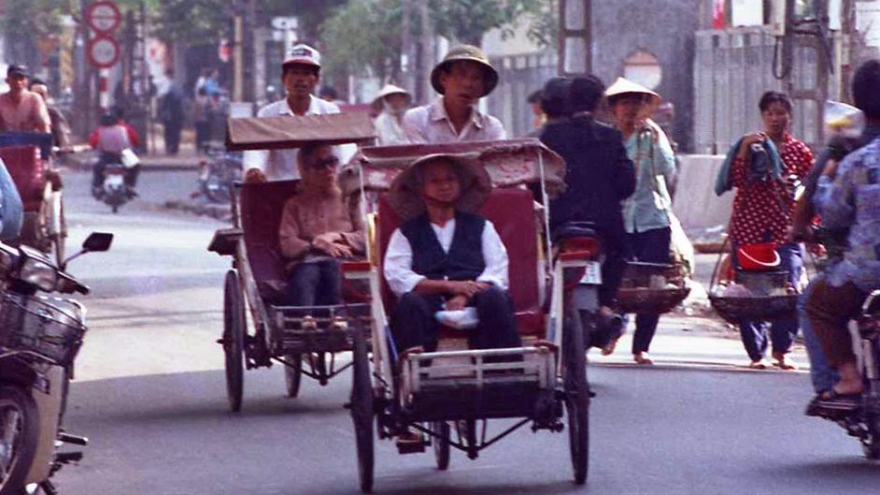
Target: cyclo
x=305, y=340
x=28, y=157
x=450, y=395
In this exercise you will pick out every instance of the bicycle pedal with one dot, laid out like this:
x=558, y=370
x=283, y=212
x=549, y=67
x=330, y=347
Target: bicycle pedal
x=68, y=457
x=411, y=447
x=73, y=439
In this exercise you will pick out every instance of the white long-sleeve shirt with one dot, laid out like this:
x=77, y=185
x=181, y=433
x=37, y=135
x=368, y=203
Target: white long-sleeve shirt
x=281, y=164
x=398, y=258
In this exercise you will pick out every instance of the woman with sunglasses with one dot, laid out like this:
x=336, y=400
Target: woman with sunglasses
x=319, y=226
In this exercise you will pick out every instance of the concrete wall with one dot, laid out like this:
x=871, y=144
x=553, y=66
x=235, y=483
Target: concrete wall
x=703, y=214
x=664, y=28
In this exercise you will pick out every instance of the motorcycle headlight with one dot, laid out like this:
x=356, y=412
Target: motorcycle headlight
x=39, y=273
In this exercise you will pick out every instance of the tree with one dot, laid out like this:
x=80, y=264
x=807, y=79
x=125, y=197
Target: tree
x=468, y=20
x=364, y=37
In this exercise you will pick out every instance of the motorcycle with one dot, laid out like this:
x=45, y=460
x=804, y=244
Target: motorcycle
x=863, y=420
x=114, y=192
x=219, y=172
x=40, y=336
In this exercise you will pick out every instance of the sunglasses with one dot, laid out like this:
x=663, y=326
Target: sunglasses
x=331, y=162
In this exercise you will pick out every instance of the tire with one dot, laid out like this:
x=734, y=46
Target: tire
x=20, y=429
x=293, y=374
x=441, y=444
x=114, y=208
x=216, y=189
x=362, y=410
x=577, y=396
x=233, y=339
x=871, y=445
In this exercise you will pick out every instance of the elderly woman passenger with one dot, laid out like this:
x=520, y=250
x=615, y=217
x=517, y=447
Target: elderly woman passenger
x=319, y=227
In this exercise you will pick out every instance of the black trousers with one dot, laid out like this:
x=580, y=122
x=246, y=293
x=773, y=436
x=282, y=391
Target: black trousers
x=314, y=284
x=414, y=324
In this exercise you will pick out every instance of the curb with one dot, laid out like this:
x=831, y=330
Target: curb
x=220, y=212
x=75, y=164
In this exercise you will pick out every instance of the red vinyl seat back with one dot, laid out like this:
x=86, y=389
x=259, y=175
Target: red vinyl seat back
x=512, y=213
x=261, y=206
x=28, y=171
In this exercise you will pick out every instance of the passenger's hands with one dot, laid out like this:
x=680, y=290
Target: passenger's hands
x=325, y=243
x=254, y=176
x=830, y=169
x=466, y=288
x=456, y=303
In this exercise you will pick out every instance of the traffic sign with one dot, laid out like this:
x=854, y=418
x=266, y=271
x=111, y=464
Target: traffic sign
x=103, y=52
x=285, y=23
x=103, y=16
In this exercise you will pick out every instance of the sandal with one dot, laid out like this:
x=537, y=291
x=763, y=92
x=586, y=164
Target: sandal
x=642, y=358
x=831, y=399
x=781, y=363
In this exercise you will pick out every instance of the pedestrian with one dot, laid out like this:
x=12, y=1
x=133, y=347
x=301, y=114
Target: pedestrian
x=59, y=127
x=764, y=176
x=866, y=96
x=300, y=73
x=329, y=93
x=171, y=115
x=319, y=227
x=647, y=213
x=461, y=78
x=390, y=104
x=599, y=177
x=204, y=110
x=21, y=109
x=538, y=116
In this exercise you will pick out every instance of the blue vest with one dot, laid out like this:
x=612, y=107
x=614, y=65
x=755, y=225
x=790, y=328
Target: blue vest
x=464, y=261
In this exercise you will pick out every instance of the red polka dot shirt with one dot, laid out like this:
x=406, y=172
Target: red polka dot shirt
x=762, y=210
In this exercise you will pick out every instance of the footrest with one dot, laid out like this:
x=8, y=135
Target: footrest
x=411, y=447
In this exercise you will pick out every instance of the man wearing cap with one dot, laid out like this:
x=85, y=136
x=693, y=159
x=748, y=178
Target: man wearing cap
x=299, y=75
x=445, y=256
x=391, y=103
x=20, y=108
x=462, y=78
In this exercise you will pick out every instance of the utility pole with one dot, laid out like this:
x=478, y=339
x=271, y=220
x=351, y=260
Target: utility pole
x=426, y=57
x=575, y=37
x=407, y=57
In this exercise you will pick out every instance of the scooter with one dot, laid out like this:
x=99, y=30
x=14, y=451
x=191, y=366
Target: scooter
x=39, y=338
x=114, y=191
x=863, y=420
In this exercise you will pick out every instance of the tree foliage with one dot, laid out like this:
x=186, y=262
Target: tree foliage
x=364, y=36
x=468, y=20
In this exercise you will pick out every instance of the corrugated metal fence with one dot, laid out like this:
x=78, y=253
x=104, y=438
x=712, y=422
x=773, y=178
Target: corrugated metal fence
x=732, y=69
x=519, y=76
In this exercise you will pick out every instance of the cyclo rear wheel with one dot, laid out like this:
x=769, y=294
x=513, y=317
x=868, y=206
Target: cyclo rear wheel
x=362, y=409
x=577, y=395
x=233, y=339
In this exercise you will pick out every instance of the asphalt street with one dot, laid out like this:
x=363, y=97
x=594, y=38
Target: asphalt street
x=150, y=394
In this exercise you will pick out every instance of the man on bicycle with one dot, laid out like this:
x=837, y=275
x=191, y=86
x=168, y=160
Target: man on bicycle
x=20, y=108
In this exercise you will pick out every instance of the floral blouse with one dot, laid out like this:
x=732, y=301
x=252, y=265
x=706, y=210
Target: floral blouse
x=762, y=210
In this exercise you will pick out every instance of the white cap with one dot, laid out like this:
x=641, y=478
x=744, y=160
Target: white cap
x=302, y=54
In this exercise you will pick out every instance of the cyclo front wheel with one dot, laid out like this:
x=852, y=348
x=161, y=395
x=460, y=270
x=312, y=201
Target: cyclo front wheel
x=362, y=409
x=233, y=339
x=19, y=435
x=441, y=431
x=577, y=394
x=292, y=374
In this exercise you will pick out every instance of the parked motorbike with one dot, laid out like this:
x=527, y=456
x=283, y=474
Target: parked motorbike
x=863, y=420
x=39, y=338
x=219, y=172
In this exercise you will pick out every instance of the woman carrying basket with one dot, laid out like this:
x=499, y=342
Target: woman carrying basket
x=647, y=212
x=764, y=168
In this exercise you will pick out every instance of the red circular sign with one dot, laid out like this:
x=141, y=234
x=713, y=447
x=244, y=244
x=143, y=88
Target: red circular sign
x=103, y=16
x=103, y=52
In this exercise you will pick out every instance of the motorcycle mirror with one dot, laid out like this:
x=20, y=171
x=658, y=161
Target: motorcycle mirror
x=97, y=242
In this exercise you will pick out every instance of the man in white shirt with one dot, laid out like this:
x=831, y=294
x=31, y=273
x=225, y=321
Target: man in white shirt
x=462, y=78
x=444, y=256
x=300, y=73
